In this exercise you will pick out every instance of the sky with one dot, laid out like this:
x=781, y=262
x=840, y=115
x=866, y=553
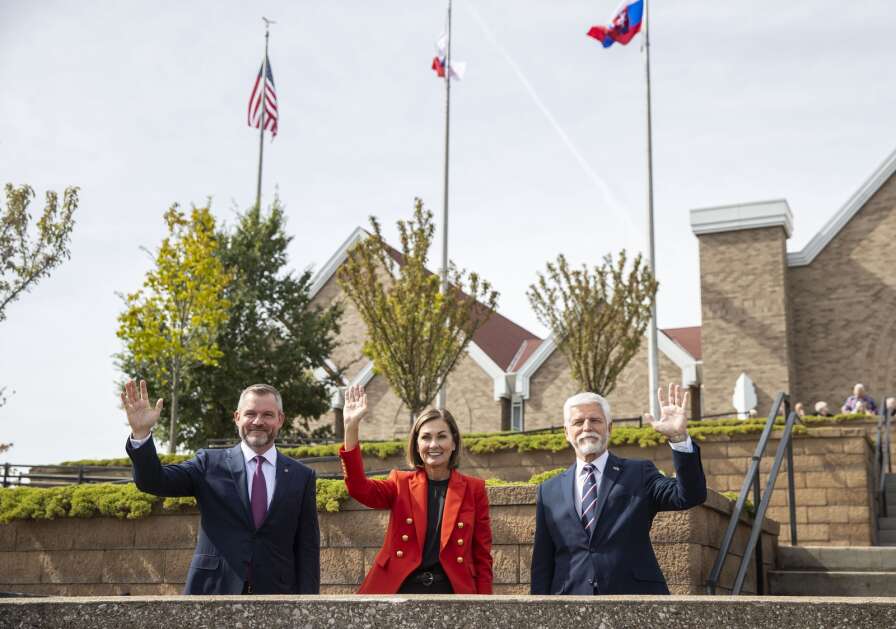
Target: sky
x=143, y=104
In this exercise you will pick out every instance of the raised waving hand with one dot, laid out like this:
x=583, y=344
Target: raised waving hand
x=142, y=416
x=673, y=421
x=354, y=410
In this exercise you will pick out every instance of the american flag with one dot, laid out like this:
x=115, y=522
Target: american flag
x=271, y=116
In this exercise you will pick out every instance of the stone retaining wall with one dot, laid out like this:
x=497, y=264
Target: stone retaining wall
x=426, y=612
x=832, y=476
x=106, y=556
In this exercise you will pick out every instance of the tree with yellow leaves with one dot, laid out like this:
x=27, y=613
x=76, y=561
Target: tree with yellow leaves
x=173, y=321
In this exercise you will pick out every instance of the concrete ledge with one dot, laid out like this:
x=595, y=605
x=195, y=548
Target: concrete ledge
x=408, y=612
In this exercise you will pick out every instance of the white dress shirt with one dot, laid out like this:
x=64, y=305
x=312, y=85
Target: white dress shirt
x=601, y=462
x=269, y=468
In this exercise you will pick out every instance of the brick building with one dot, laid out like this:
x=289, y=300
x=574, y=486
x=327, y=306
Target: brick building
x=811, y=322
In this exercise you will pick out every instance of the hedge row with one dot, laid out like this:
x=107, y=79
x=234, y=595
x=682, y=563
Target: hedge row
x=553, y=441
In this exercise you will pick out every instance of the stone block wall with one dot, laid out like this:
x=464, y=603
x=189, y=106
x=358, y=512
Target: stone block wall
x=105, y=556
x=832, y=476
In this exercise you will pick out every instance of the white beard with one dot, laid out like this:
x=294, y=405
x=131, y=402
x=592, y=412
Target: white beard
x=590, y=443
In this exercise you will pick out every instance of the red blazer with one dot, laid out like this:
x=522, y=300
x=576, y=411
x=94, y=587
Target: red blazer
x=465, y=552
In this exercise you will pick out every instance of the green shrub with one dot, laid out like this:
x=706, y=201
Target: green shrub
x=749, y=507
x=538, y=479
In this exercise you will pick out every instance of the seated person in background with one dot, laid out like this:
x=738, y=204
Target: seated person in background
x=891, y=406
x=799, y=410
x=439, y=538
x=858, y=395
x=822, y=410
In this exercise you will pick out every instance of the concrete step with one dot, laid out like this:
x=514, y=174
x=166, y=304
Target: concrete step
x=823, y=583
x=886, y=524
x=886, y=536
x=837, y=558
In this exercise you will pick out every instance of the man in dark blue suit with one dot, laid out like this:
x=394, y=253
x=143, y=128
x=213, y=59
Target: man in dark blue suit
x=592, y=523
x=258, y=532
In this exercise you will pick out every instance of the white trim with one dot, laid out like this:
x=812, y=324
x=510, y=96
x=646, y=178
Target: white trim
x=726, y=218
x=536, y=360
x=363, y=377
x=329, y=269
x=490, y=367
x=690, y=372
x=839, y=220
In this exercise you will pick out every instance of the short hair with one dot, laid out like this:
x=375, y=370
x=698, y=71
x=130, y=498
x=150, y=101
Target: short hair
x=820, y=405
x=859, y=385
x=581, y=399
x=413, y=455
x=261, y=389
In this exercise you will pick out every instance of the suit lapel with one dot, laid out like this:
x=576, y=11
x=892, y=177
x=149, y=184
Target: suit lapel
x=419, y=498
x=454, y=497
x=612, y=472
x=281, y=484
x=568, y=484
x=237, y=465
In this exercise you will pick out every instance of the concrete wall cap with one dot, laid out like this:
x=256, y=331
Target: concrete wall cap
x=726, y=218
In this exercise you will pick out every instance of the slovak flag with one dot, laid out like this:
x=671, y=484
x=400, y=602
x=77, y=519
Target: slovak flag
x=626, y=24
x=438, y=63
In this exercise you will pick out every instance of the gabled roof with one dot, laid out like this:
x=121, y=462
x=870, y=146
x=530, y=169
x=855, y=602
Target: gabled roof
x=688, y=339
x=837, y=222
x=674, y=351
x=494, y=346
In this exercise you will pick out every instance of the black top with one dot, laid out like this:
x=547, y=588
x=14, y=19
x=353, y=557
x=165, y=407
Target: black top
x=434, y=507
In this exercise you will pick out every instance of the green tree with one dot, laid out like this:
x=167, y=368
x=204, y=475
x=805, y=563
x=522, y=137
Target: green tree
x=415, y=334
x=28, y=253
x=273, y=334
x=173, y=321
x=25, y=258
x=598, y=316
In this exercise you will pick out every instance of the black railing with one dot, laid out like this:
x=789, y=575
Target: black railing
x=15, y=474
x=760, y=500
x=882, y=463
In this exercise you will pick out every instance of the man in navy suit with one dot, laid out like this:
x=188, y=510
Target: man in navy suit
x=258, y=530
x=592, y=523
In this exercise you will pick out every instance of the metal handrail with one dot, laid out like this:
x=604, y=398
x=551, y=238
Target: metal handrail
x=761, y=500
x=883, y=464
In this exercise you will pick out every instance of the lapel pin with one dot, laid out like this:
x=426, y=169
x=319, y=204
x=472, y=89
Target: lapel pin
x=615, y=468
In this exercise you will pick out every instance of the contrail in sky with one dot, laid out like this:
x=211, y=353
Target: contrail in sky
x=610, y=198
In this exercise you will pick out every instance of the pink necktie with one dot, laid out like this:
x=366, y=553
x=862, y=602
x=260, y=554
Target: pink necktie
x=259, y=499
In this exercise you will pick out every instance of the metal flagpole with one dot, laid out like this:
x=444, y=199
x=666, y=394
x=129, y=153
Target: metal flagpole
x=264, y=90
x=440, y=399
x=652, y=360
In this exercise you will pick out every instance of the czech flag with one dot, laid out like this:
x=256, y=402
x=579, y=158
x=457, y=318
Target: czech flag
x=625, y=24
x=438, y=63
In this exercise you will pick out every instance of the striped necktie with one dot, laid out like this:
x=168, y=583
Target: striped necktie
x=589, y=499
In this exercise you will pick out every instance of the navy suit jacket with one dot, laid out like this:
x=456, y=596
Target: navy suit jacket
x=284, y=551
x=618, y=557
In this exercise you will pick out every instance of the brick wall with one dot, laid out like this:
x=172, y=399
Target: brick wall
x=105, y=556
x=745, y=314
x=844, y=307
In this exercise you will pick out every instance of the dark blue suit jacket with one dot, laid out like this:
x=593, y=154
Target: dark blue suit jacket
x=285, y=550
x=618, y=557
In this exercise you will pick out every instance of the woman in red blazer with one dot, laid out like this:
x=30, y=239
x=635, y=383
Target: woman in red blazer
x=439, y=537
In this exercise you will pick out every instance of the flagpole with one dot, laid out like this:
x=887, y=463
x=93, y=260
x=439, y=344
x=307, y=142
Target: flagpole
x=652, y=358
x=440, y=399
x=264, y=90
